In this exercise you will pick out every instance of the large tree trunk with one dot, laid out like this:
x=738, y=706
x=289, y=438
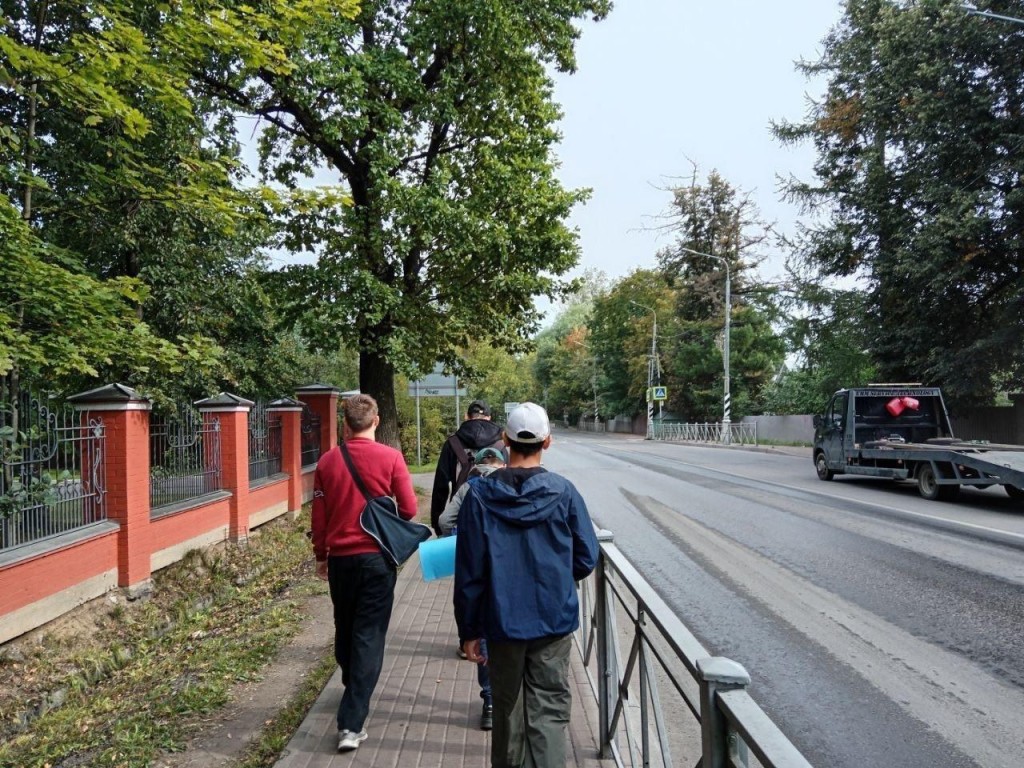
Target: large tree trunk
x=377, y=379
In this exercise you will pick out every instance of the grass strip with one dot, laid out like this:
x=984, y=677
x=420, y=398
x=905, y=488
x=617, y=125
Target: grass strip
x=153, y=670
x=266, y=750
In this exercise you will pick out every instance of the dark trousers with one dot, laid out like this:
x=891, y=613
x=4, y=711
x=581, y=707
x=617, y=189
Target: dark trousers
x=483, y=675
x=363, y=591
x=532, y=702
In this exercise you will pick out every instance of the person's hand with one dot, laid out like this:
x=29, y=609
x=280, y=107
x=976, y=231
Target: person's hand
x=321, y=570
x=472, y=650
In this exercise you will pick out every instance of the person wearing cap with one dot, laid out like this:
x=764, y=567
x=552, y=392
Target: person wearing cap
x=485, y=461
x=525, y=538
x=476, y=432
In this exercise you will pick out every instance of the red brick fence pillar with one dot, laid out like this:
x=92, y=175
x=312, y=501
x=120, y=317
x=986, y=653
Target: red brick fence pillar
x=125, y=415
x=290, y=413
x=232, y=412
x=323, y=401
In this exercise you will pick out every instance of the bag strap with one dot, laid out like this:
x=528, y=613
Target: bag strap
x=352, y=471
x=460, y=450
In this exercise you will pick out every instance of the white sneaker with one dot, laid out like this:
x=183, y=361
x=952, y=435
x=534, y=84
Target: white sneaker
x=349, y=740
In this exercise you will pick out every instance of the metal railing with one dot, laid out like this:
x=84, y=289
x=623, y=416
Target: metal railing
x=184, y=458
x=264, y=443
x=52, y=473
x=644, y=696
x=310, y=436
x=732, y=434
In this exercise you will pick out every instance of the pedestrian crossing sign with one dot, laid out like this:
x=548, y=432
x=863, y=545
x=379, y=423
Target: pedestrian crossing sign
x=660, y=393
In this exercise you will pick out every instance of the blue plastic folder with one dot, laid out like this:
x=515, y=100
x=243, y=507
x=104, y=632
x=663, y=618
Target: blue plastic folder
x=437, y=558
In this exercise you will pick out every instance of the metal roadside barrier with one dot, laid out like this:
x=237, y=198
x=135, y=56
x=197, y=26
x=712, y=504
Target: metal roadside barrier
x=639, y=724
x=724, y=434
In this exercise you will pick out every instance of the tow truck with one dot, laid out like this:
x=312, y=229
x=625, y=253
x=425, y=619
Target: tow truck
x=902, y=432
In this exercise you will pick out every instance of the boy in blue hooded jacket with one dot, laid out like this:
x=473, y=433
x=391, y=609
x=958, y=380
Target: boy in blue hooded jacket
x=525, y=539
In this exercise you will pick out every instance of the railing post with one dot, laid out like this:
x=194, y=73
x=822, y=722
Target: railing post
x=718, y=673
x=323, y=401
x=290, y=412
x=125, y=416
x=232, y=412
x=605, y=646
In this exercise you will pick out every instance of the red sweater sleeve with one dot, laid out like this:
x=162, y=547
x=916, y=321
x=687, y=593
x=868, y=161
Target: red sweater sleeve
x=402, y=490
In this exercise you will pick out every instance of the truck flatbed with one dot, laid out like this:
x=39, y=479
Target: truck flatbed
x=903, y=433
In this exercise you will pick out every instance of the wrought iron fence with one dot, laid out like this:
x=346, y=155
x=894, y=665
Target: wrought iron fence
x=264, y=442
x=665, y=675
x=52, y=474
x=731, y=434
x=184, y=457
x=310, y=436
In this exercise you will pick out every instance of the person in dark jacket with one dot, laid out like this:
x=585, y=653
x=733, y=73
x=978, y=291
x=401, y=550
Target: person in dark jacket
x=476, y=432
x=525, y=538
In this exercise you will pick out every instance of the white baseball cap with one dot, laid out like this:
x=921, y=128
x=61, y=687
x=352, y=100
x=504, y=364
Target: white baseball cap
x=527, y=423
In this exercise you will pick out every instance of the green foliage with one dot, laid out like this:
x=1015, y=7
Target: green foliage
x=439, y=122
x=57, y=322
x=918, y=167
x=564, y=367
x=109, y=174
x=621, y=332
x=827, y=334
x=500, y=376
x=437, y=421
x=717, y=229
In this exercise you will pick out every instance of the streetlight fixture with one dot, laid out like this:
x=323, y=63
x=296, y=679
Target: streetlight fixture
x=726, y=400
x=973, y=11
x=650, y=369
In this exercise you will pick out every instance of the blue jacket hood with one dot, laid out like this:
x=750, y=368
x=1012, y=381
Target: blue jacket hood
x=522, y=501
x=524, y=539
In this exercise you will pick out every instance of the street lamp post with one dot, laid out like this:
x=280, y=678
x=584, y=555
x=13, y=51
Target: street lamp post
x=726, y=399
x=650, y=370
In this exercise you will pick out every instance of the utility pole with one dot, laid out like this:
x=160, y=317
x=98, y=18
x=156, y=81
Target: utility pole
x=726, y=397
x=651, y=363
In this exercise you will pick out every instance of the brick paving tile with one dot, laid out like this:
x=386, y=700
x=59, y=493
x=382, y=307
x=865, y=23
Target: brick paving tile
x=426, y=709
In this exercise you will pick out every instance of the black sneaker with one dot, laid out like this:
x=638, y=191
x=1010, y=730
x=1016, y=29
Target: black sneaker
x=487, y=718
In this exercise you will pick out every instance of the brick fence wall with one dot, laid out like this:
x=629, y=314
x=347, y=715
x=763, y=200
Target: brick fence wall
x=44, y=580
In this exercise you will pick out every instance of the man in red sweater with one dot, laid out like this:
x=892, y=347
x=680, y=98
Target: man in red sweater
x=362, y=581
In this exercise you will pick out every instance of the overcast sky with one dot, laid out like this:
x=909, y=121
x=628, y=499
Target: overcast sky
x=661, y=83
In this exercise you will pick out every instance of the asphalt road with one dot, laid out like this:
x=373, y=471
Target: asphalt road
x=879, y=629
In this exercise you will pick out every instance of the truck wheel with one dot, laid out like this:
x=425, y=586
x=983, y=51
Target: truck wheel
x=1015, y=493
x=929, y=487
x=821, y=467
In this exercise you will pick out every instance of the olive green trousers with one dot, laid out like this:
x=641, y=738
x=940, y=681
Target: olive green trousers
x=532, y=702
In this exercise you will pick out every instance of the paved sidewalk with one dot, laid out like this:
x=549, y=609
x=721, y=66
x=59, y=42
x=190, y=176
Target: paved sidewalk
x=426, y=709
